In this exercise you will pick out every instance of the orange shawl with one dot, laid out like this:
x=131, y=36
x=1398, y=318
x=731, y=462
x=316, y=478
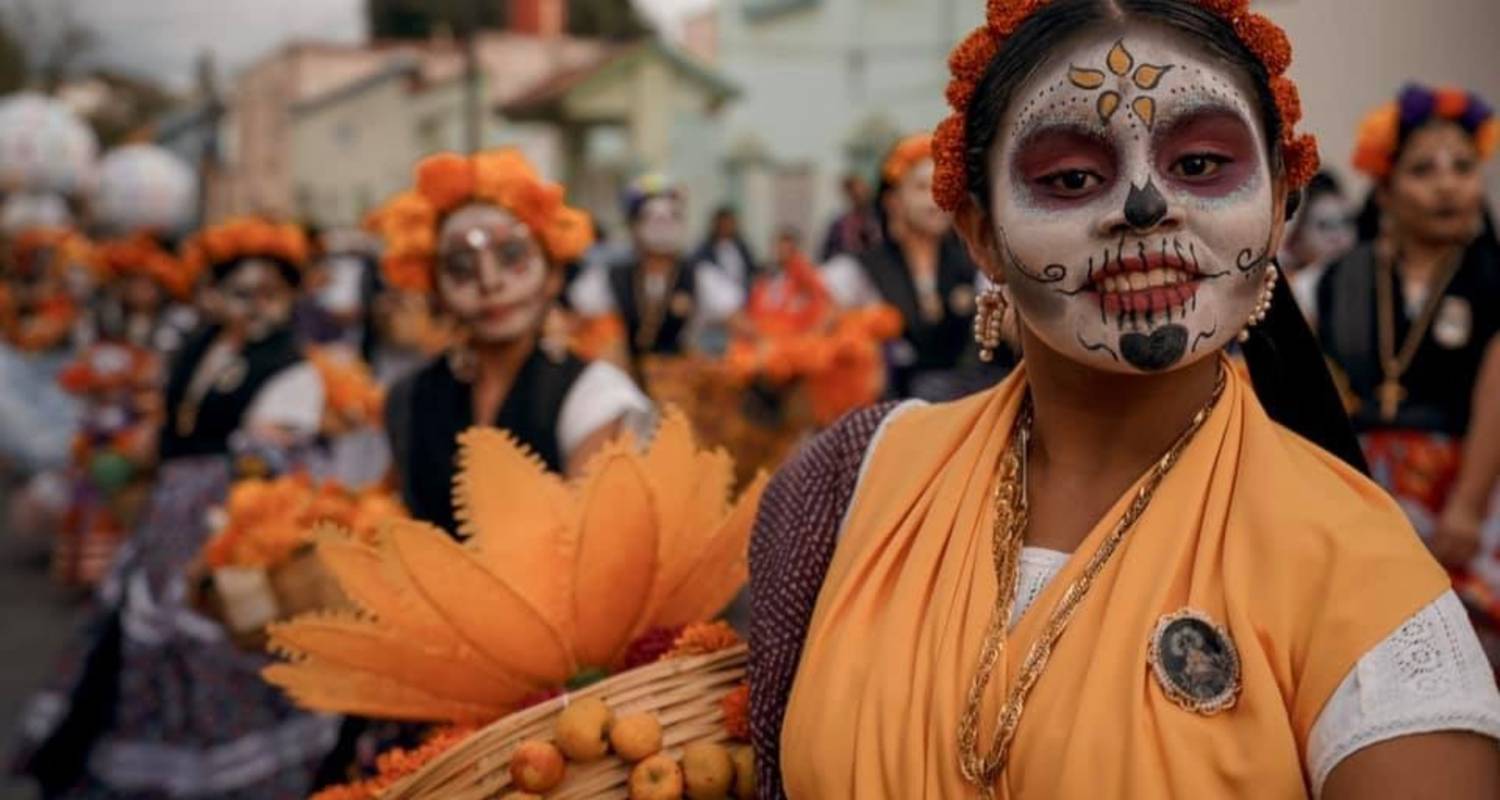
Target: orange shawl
x=1307, y=564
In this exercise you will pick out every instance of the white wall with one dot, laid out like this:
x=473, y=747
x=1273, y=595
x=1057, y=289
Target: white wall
x=1352, y=55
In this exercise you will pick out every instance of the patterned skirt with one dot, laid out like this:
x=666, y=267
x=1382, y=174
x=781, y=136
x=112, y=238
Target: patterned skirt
x=191, y=716
x=1419, y=469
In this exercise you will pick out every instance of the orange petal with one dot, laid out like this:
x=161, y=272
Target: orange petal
x=617, y=558
x=1109, y=103
x=344, y=642
x=519, y=518
x=1145, y=108
x=1119, y=59
x=483, y=608
x=1085, y=78
x=1149, y=76
x=721, y=570
x=363, y=575
x=312, y=686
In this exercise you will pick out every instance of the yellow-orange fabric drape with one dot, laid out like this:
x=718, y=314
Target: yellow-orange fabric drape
x=1307, y=564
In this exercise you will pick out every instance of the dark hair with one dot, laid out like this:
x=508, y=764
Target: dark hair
x=1038, y=38
x=1285, y=360
x=289, y=272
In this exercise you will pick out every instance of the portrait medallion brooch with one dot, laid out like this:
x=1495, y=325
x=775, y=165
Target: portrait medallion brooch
x=1195, y=661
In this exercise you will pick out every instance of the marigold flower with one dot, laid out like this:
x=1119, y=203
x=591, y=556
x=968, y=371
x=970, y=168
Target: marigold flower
x=736, y=708
x=1288, y=102
x=1301, y=160
x=1450, y=103
x=1266, y=40
x=703, y=638
x=908, y=153
x=446, y=180
x=950, y=177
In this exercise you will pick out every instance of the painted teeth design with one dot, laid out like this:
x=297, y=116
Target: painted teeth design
x=1141, y=281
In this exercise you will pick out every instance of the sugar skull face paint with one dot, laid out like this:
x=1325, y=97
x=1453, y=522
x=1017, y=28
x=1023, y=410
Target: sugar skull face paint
x=660, y=229
x=1132, y=200
x=492, y=276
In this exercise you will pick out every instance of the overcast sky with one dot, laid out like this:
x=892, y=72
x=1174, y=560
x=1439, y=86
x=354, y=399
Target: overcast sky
x=162, y=38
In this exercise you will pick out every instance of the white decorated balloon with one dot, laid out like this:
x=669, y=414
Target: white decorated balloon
x=144, y=187
x=44, y=146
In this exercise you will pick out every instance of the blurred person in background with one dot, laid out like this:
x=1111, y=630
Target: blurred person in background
x=666, y=304
x=154, y=698
x=857, y=228
x=496, y=273
x=1409, y=316
x=726, y=249
x=1321, y=233
x=921, y=268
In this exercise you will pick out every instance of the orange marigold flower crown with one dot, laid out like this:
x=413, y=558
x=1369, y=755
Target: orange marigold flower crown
x=246, y=237
x=409, y=222
x=1381, y=132
x=971, y=58
x=907, y=153
x=70, y=246
x=141, y=254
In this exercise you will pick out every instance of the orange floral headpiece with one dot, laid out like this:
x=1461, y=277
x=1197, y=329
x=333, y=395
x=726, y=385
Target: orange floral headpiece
x=1380, y=133
x=907, y=153
x=972, y=57
x=142, y=255
x=69, y=247
x=446, y=181
x=246, y=237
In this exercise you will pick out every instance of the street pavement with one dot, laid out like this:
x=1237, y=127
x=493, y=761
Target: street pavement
x=36, y=617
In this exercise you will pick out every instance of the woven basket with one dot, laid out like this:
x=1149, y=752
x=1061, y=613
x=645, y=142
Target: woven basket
x=683, y=693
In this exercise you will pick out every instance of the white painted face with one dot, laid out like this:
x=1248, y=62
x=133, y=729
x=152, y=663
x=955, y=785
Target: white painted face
x=492, y=275
x=660, y=228
x=1133, y=200
x=1325, y=232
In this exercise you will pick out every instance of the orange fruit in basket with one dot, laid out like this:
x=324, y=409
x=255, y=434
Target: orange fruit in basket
x=746, y=782
x=583, y=730
x=656, y=778
x=537, y=766
x=707, y=771
x=636, y=737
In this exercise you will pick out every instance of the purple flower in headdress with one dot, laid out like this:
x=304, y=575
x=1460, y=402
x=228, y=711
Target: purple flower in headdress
x=1478, y=113
x=1417, y=104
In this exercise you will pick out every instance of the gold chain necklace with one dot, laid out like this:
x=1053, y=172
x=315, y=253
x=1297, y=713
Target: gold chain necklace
x=1394, y=364
x=1012, y=514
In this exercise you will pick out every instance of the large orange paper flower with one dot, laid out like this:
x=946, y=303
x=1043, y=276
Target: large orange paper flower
x=551, y=579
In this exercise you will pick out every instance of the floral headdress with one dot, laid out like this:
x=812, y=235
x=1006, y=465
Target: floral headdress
x=907, y=154
x=446, y=181
x=1381, y=132
x=68, y=245
x=141, y=254
x=246, y=237
x=971, y=58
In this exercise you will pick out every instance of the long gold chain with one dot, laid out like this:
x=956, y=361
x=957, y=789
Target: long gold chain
x=1012, y=515
x=1393, y=362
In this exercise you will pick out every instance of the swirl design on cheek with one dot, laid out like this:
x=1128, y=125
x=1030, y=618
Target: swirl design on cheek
x=1204, y=336
x=1097, y=348
x=1050, y=274
x=1248, y=261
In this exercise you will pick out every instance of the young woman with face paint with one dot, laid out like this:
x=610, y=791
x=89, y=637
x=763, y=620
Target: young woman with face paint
x=920, y=268
x=667, y=303
x=1409, y=316
x=489, y=238
x=156, y=700
x=1122, y=572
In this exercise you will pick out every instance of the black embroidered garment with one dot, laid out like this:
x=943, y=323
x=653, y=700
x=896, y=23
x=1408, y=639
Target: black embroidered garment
x=1440, y=381
x=654, y=328
x=937, y=333
x=429, y=409
x=203, y=427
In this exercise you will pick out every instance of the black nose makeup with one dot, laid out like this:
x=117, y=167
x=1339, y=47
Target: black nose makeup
x=1144, y=207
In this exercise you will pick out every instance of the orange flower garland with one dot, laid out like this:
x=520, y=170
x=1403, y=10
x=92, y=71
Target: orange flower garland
x=736, y=708
x=246, y=237
x=268, y=521
x=969, y=60
x=396, y=764
x=444, y=182
x=142, y=255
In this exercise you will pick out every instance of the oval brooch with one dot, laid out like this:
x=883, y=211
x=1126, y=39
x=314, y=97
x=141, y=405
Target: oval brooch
x=1195, y=662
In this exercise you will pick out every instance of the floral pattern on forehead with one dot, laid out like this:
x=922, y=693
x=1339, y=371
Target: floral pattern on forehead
x=972, y=57
x=410, y=221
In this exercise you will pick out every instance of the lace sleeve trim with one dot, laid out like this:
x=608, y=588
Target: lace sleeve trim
x=1430, y=675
